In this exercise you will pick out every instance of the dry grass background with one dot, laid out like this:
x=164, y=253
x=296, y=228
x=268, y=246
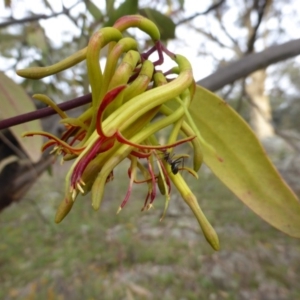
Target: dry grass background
x=101, y=255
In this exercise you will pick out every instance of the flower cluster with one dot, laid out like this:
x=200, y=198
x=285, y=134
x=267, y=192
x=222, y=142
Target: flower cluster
x=122, y=122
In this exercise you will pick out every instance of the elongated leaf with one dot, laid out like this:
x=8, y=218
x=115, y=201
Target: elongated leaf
x=36, y=37
x=7, y=3
x=14, y=101
x=244, y=168
x=109, y=7
x=128, y=7
x=94, y=11
x=181, y=4
x=165, y=24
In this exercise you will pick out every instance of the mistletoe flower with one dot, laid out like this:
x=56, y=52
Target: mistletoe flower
x=132, y=101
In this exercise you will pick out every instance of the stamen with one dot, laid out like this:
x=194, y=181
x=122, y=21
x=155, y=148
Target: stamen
x=79, y=187
x=74, y=194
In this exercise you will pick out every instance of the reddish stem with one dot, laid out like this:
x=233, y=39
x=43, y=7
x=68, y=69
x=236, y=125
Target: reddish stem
x=44, y=112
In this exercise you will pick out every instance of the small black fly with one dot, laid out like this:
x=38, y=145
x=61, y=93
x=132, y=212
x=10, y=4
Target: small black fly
x=173, y=162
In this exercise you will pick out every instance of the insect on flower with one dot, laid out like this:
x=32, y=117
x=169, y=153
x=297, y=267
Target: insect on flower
x=168, y=157
x=121, y=120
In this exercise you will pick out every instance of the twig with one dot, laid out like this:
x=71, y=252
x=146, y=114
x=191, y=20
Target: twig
x=261, y=9
x=223, y=76
x=212, y=7
x=35, y=18
x=44, y=112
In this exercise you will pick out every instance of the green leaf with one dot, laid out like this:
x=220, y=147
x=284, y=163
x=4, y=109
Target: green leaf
x=128, y=7
x=110, y=7
x=36, y=37
x=165, y=25
x=47, y=4
x=15, y=101
x=7, y=3
x=181, y=4
x=244, y=168
x=94, y=11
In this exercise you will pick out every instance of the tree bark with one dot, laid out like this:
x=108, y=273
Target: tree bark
x=261, y=115
x=249, y=64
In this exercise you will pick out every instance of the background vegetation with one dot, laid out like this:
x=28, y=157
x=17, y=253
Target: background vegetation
x=132, y=255
x=101, y=255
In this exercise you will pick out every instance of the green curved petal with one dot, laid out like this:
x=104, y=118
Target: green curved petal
x=245, y=168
